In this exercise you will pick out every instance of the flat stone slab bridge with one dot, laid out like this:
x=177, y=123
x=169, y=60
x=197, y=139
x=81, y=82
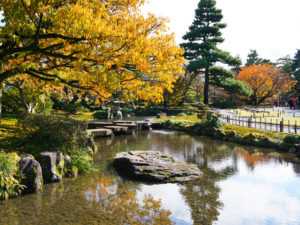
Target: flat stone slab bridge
x=99, y=129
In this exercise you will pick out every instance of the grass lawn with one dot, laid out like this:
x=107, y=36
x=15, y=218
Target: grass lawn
x=9, y=133
x=241, y=131
x=276, y=120
x=244, y=113
x=189, y=119
x=79, y=116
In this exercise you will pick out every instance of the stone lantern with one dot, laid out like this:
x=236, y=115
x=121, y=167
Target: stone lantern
x=116, y=110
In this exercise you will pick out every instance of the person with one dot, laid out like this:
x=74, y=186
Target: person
x=294, y=103
x=290, y=103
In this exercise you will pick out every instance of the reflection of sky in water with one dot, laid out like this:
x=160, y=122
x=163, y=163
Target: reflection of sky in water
x=268, y=194
x=171, y=199
x=253, y=189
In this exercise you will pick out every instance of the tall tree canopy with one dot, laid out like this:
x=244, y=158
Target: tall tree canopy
x=265, y=81
x=201, y=46
x=296, y=70
x=253, y=58
x=102, y=46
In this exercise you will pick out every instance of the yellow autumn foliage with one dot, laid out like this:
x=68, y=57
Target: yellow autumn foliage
x=100, y=46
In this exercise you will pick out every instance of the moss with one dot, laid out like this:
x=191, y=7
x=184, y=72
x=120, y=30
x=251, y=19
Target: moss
x=60, y=168
x=242, y=131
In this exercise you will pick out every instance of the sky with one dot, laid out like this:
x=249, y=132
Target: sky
x=272, y=27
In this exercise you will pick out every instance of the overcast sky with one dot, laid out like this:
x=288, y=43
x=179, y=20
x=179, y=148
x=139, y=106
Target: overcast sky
x=272, y=27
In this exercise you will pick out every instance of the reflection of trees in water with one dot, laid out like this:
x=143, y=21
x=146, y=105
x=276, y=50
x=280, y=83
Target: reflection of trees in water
x=253, y=158
x=297, y=168
x=98, y=201
x=202, y=195
x=110, y=204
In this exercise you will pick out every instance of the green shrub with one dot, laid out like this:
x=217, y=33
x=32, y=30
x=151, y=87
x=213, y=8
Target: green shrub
x=53, y=133
x=101, y=115
x=146, y=112
x=83, y=160
x=208, y=119
x=291, y=140
x=44, y=107
x=176, y=125
x=224, y=105
x=9, y=184
x=70, y=107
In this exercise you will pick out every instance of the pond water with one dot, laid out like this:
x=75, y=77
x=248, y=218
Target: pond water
x=238, y=186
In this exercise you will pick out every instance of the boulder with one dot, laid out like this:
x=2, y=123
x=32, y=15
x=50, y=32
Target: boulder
x=266, y=142
x=154, y=166
x=31, y=171
x=72, y=172
x=69, y=170
x=231, y=134
x=52, y=166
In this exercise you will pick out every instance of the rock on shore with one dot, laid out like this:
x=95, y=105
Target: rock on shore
x=154, y=166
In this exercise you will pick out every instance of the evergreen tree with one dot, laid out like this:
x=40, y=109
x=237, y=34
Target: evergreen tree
x=296, y=70
x=201, y=46
x=285, y=63
x=253, y=58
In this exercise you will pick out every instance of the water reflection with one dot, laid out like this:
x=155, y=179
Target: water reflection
x=240, y=185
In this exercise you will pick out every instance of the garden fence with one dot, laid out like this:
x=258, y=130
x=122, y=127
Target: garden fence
x=269, y=124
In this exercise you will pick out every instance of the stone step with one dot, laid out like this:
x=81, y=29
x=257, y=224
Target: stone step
x=129, y=126
x=117, y=129
x=94, y=125
x=156, y=125
x=100, y=132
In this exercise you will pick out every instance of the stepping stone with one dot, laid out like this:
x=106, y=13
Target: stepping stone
x=94, y=125
x=117, y=129
x=100, y=132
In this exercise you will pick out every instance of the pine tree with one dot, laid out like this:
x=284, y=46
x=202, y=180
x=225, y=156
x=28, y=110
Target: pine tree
x=252, y=58
x=201, y=46
x=296, y=70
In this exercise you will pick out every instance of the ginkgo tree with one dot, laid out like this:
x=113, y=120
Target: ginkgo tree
x=100, y=46
x=266, y=81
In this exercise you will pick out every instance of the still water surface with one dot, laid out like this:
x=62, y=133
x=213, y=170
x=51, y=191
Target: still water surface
x=239, y=186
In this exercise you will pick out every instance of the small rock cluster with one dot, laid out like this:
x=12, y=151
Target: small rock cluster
x=51, y=167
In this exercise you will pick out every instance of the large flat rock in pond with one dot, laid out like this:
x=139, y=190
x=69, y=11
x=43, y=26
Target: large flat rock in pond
x=154, y=166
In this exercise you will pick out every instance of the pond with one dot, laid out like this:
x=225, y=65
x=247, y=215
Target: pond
x=238, y=186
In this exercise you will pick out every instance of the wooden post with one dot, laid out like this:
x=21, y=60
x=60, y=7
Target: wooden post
x=249, y=122
x=271, y=125
x=277, y=125
x=281, y=125
x=260, y=121
x=265, y=124
x=239, y=120
x=289, y=128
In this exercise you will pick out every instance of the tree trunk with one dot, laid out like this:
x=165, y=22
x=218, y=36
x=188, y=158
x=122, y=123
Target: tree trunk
x=1, y=96
x=206, y=86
